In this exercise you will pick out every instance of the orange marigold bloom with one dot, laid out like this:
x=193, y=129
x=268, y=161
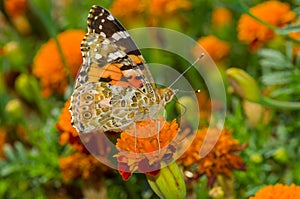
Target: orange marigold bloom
x=136, y=8
x=81, y=166
x=68, y=133
x=15, y=7
x=141, y=152
x=278, y=191
x=221, y=17
x=2, y=142
x=168, y=7
x=215, y=47
x=49, y=67
x=220, y=160
x=256, y=34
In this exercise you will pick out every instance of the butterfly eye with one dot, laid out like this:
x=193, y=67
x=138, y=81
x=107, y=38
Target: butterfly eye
x=87, y=115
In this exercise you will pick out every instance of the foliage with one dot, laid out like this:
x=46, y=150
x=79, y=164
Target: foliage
x=36, y=134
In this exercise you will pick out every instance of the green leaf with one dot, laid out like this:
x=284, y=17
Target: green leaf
x=9, y=153
x=274, y=59
x=288, y=29
x=277, y=78
x=20, y=151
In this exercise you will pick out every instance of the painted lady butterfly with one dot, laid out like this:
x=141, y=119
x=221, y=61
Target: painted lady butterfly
x=114, y=88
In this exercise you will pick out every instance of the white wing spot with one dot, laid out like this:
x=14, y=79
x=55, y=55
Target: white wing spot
x=112, y=56
x=105, y=41
x=98, y=56
x=116, y=36
x=119, y=54
x=110, y=17
x=126, y=33
x=122, y=34
x=103, y=34
x=102, y=20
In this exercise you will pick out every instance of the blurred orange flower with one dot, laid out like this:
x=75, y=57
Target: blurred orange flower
x=256, y=34
x=168, y=7
x=81, y=166
x=49, y=67
x=15, y=7
x=215, y=47
x=2, y=142
x=220, y=160
x=148, y=11
x=221, y=17
x=145, y=151
x=278, y=191
x=132, y=12
x=68, y=133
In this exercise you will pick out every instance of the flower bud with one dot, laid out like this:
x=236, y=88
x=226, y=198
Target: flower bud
x=14, y=54
x=169, y=183
x=256, y=158
x=243, y=84
x=27, y=87
x=281, y=155
x=14, y=109
x=216, y=193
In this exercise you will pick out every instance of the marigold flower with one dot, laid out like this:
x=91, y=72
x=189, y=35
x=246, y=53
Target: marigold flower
x=168, y=7
x=49, y=67
x=15, y=7
x=136, y=8
x=221, y=17
x=278, y=191
x=2, y=142
x=256, y=34
x=296, y=36
x=68, y=133
x=81, y=166
x=215, y=47
x=220, y=160
x=143, y=152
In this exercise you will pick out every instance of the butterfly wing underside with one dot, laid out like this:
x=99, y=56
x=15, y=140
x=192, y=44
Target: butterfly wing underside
x=111, y=60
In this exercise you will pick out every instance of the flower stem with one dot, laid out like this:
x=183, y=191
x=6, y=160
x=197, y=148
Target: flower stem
x=279, y=104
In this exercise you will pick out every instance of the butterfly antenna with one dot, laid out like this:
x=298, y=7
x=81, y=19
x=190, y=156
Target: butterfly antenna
x=186, y=70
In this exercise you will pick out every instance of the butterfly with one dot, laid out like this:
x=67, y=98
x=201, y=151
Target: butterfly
x=114, y=88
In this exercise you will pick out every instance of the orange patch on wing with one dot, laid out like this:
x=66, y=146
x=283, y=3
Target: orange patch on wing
x=108, y=71
x=133, y=81
x=136, y=59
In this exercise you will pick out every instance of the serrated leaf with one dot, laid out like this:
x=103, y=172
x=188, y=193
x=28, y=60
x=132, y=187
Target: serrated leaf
x=288, y=29
x=9, y=153
x=274, y=65
x=276, y=78
x=270, y=53
x=20, y=151
x=281, y=91
x=274, y=59
x=9, y=169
